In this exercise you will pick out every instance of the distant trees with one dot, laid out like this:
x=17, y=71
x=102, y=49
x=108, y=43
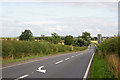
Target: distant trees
x=86, y=36
x=79, y=42
x=26, y=35
x=69, y=40
x=83, y=40
x=42, y=36
x=56, y=38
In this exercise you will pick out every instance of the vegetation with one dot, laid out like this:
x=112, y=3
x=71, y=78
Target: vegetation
x=110, y=46
x=28, y=46
x=56, y=38
x=86, y=36
x=83, y=40
x=26, y=35
x=69, y=40
x=99, y=68
x=12, y=49
x=107, y=54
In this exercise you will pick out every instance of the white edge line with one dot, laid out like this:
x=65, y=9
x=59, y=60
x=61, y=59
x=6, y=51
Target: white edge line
x=86, y=73
x=36, y=60
x=59, y=62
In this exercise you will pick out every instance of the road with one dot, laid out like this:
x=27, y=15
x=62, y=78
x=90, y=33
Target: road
x=70, y=65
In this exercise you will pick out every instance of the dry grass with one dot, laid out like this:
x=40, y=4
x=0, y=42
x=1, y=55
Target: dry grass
x=99, y=53
x=113, y=62
x=95, y=42
x=113, y=59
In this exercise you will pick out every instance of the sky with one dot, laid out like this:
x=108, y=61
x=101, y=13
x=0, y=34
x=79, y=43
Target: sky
x=63, y=18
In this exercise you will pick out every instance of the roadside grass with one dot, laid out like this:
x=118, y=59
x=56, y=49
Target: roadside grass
x=36, y=56
x=100, y=69
x=106, y=61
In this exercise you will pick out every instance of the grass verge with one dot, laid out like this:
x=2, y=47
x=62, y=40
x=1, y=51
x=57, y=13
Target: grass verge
x=100, y=69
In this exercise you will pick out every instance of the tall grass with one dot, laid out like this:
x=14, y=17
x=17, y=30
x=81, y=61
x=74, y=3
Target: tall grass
x=109, y=49
x=12, y=49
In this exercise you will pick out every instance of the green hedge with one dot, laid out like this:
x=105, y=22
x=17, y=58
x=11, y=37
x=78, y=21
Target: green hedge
x=27, y=48
x=111, y=45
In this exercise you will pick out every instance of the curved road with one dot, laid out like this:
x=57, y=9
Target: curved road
x=70, y=65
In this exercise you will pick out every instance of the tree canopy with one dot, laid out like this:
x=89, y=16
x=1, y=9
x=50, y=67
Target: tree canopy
x=56, y=38
x=69, y=40
x=86, y=36
x=26, y=35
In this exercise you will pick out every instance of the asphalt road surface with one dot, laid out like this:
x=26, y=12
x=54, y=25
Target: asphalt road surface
x=70, y=65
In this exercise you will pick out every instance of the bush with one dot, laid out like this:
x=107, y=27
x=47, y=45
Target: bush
x=110, y=45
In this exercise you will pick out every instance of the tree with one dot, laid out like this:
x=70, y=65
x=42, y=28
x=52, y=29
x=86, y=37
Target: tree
x=26, y=35
x=56, y=38
x=69, y=40
x=86, y=36
x=42, y=36
x=79, y=42
x=92, y=38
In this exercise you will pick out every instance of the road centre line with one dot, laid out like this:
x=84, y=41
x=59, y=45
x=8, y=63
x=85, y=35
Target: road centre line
x=67, y=58
x=59, y=62
x=32, y=61
x=76, y=55
x=73, y=56
x=21, y=77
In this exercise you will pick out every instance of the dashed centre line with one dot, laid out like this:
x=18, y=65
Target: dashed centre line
x=76, y=55
x=59, y=62
x=73, y=56
x=21, y=77
x=67, y=58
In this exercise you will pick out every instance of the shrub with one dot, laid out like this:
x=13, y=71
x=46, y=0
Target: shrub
x=110, y=45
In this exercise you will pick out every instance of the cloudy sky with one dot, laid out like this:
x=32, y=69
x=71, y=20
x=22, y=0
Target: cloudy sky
x=62, y=18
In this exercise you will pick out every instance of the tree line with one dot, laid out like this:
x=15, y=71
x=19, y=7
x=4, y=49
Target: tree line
x=80, y=41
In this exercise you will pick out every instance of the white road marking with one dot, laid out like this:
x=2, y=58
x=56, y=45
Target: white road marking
x=21, y=77
x=76, y=55
x=73, y=56
x=59, y=62
x=67, y=58
x=40, y=70
x=86, y=73
x=35, y=61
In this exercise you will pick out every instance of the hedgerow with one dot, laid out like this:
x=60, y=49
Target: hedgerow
x=19, y=49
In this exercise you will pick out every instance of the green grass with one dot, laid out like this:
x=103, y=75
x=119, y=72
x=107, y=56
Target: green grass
x=100, y=69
